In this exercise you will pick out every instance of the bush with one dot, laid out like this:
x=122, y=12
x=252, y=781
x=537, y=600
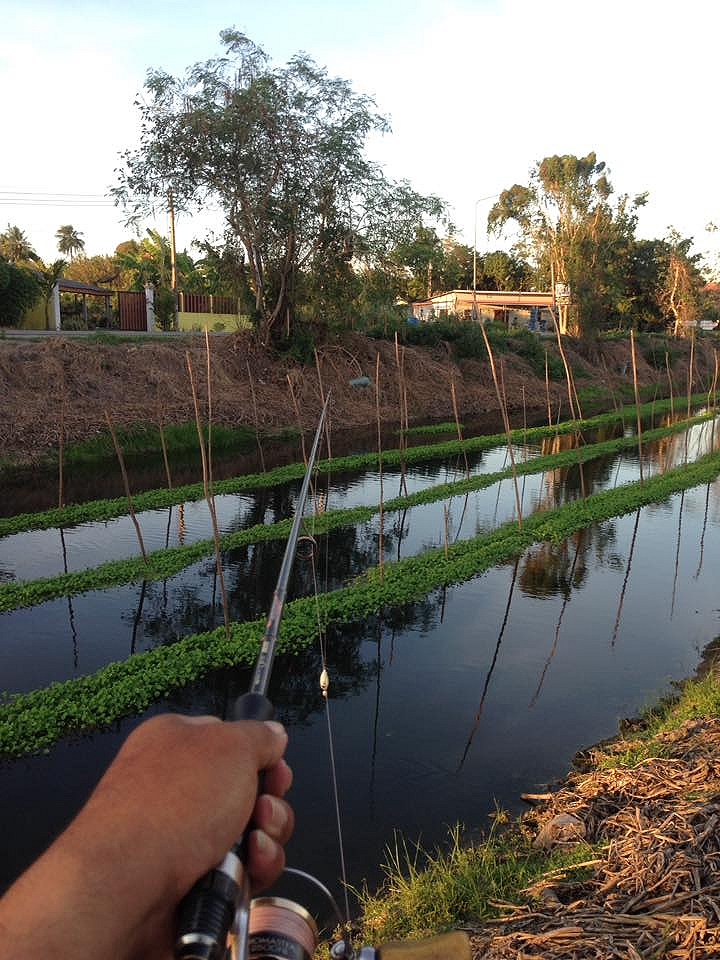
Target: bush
x=19, y=292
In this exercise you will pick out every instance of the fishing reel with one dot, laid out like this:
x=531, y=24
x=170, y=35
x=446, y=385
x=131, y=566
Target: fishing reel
x=281, y=929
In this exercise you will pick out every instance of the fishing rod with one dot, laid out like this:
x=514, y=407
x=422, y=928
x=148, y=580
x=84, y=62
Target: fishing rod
x=222, y=897
x=218, y=908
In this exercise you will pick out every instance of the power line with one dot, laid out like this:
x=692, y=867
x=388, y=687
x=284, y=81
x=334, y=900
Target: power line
x=54, y=193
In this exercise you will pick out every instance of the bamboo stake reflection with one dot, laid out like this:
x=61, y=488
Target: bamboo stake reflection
x=566, y=600
x=677, y=555
x=503, y=625
x=702, y=535
x=625, y=580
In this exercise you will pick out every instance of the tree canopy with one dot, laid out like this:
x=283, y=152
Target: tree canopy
x=281, y=151
x=69, y=240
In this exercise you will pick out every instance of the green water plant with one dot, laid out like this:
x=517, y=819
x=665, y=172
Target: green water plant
x=101, y=510
x=162, y=564
x=32, y=721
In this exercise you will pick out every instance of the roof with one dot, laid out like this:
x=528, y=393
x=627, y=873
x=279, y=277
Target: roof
x=74, y=286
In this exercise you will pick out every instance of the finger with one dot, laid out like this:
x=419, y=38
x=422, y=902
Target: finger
x=278, y=779
x=274, y=817
x=266, y=860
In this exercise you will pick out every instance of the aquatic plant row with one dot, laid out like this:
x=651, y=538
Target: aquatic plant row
x=165, y=563
x=33, y=721
x=157, y=499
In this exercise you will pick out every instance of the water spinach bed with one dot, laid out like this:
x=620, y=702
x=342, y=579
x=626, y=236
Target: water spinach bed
x=29, y=722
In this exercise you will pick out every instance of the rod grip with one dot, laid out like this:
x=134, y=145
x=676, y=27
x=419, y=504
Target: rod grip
x=446, y=946
x=253, y=706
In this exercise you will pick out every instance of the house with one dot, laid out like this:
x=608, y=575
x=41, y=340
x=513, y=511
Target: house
x=511, y=307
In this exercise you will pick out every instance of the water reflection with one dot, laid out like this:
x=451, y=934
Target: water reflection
x=524, y=649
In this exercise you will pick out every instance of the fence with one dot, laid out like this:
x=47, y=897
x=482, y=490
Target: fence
x=206, y=303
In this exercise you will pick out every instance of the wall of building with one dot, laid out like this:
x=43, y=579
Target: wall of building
x=215, y=322
x=35, y=319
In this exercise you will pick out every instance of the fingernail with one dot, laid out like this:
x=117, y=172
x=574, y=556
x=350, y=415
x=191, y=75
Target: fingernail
x=264, y=842
x=277, y=728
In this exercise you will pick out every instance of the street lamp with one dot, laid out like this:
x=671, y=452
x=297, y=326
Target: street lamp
x=479, y=200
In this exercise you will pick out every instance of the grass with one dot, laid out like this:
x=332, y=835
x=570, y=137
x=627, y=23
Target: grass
x=162, y=564
x=429, y=892
x=31, y=722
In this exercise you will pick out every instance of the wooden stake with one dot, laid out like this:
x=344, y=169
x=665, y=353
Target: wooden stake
x=209, y=496
x=568, y=377
x=322, y=398
x=459, y=427
x=255, y=418
x=297, y=419
x=637, y=401
x=381, y=544
x=123, y=471
x=670, y=381
x=209, y=410
x=163, y=446
x=401, y=387
x=690, y=373
x=506, y=422
x=447, y=533
x=61, y=450
x=547, y=389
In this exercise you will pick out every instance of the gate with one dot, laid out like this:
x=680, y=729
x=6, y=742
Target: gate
x=132, y=310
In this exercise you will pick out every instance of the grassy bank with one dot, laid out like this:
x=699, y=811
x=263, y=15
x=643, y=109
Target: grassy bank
x=32, y=721
x=638, y=877
x=161, y=564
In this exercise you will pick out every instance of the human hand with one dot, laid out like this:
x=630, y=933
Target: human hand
x=178, y=795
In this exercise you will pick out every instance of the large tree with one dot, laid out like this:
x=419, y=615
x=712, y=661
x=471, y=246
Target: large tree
x=281, y=151
x=575, y=233
x=70, y=240
x=19, y=292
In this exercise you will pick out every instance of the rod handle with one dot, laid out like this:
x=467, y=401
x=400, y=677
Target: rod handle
x=253, y=706
x=445, y=946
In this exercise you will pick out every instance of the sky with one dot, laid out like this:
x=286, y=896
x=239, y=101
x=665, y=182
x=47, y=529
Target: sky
x=476, y=91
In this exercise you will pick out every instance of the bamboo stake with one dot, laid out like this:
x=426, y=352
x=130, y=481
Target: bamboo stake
x=163, y=445
x=547, y=389
x=398, y=364
x=322, y=398
x=637, y=401
x=61, y=450
x=670, y=381
x=447, y=534
x=567, y=372
x=458, y=426
x=690, y=372
x=297, y=419
x=256, y=419
x=209, y=496
x=209, y=412
x=522, y=391
x=506, y=422
x=381, y=543
x=123, y=471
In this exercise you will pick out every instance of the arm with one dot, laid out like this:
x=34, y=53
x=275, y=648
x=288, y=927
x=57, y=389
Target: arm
x=178, y=795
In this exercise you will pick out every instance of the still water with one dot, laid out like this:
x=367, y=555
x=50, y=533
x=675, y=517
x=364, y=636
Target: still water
x=441, y=709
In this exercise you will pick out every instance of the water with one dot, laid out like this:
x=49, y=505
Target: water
x=440, y=709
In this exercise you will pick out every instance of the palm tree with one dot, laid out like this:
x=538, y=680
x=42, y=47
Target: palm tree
x=15, y=246
x=47, y=277
x=70, y=240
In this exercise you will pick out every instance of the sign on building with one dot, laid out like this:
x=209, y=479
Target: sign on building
x=562, y=293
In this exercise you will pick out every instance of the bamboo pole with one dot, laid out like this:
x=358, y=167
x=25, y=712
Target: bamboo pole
x=208, y=373
x=547, y=389
x=458, y=426
x=209, y=496
x=637, y=401
x=447, y=533
x=506, y=422
x=163, y=446
x=61, y=450
x=568, y=377
x=670, y=382
x=126, y=483
x=322, y=398
x=255, y=417
x=381, y=542
x=690, y=373
x=297, y=419
x=398, y=364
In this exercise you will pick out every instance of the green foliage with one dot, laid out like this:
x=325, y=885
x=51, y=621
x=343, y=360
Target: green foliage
x=19, y=292
x=165, y=308
x=425, y=893
x=154, y=499
x=15, y=246
x=162, y=564
x=281, y=151
x=69, y=240
x=29, y=722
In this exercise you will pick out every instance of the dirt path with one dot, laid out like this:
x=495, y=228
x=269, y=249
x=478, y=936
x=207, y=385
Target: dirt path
x=139, y=382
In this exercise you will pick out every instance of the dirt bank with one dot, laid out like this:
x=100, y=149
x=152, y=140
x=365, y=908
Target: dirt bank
x=45, y=381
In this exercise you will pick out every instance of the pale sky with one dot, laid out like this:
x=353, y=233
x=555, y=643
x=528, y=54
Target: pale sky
x=477, y=91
